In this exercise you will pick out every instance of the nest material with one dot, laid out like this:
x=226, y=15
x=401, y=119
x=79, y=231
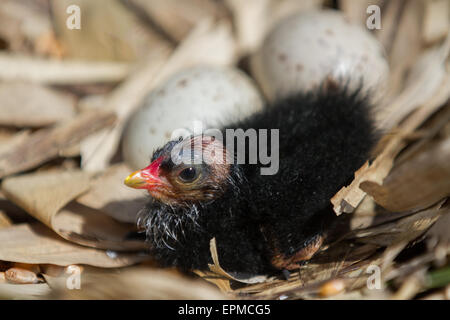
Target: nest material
x=57, y=216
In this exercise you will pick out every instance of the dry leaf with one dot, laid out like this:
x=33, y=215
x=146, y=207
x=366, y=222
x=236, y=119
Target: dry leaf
x=47, y=45
x=44, y=71
x=391, y=13
x=93, y=228
x=11, y=140
x=220, y=282
x=345, y=262
x=135, y=283
x=426, y=79
x=176, y=18
x=15, y=213
x=24, y=291
x=251, y=21
x=404, y=229
x=254, y=18
x=109, y=195
x=45, y=144
x=417, y=183
x=402, y=40
x=4, y=220
x=439, y=231
x=45, y=196
x=32, y=105
x=108, y=31
x=21, y=22
x=36, y=244
x=91, y=102
x=436, y=23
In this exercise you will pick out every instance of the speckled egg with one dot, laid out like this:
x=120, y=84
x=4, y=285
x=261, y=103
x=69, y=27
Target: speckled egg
x=314, y=47
x=208, y=95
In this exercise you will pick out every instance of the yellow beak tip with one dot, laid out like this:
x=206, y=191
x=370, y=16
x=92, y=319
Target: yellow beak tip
x=133, y=181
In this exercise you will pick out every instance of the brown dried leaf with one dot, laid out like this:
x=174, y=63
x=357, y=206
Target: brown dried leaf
x=7, y=133
x=45, y=144
x=21, y=22
x=436, y=23
x=4, y=220
x=135, y=283
x=108, y=31
x=46, y=195
x=391, y=12
x=109, y=195
x=219, y=281
x=11, y=140
x=48, y=45
x=24, y=291
x=254, y=18
x=402, y=40
x=15, y=213
x=93, y=228
x=439, y=232
x=348, y=198
x=340, y=260
x=32, y=105
x=404, y=229
x=427, y=79
x=364, y=215
x=207, y=36
x=36, y=244
x=251, y=21
x=45, y=71
x=177, y=18
x=417, y=183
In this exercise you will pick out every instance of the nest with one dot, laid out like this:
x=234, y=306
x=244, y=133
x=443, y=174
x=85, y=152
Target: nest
x=64, y=213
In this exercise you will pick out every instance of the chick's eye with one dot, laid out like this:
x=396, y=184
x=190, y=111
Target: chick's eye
x=188, y=175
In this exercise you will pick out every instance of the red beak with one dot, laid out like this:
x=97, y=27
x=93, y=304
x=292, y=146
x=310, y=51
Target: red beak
x=147, y=178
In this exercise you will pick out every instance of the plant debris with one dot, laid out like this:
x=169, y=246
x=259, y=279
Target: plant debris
x=66, y=97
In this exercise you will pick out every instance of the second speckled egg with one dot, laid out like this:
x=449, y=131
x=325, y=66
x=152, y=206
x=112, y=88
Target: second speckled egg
x=309, y=48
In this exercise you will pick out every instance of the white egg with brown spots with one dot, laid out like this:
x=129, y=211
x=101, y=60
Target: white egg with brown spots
x=206, y=94
x=315, y=47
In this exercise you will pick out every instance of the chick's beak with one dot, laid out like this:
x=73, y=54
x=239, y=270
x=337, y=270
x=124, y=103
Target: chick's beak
x=146, y=178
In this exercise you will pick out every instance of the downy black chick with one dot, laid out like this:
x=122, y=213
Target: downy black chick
x=261, y=223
